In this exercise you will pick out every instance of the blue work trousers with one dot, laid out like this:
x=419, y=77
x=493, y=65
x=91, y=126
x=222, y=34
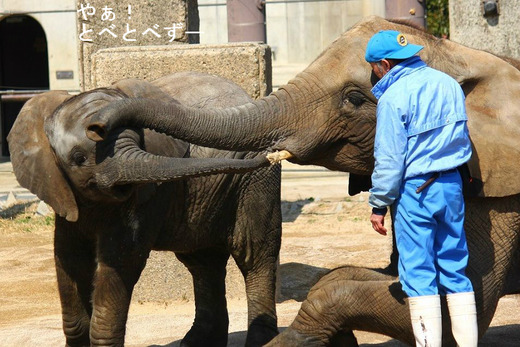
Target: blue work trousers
x=430, y=237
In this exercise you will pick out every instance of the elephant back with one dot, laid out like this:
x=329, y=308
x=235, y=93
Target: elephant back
x=202, y=90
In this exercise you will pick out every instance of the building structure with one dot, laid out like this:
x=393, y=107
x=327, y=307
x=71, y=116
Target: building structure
x=42, y=42
x=297, y=30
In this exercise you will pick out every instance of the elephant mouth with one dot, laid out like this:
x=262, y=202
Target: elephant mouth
x=338, y=157
x=121, y=192
x=278, y=156
x=112, y=192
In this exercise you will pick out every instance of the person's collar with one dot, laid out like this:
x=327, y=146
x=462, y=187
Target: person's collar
x=402, y=69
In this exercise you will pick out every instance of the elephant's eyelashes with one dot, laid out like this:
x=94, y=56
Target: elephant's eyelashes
x=354, y=98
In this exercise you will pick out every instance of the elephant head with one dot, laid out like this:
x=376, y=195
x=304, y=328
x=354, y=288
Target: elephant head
x=54, y=159
x=326, y=114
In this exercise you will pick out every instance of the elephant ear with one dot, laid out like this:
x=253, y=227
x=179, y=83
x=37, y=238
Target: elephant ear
x=492, y=88
x=33, y=160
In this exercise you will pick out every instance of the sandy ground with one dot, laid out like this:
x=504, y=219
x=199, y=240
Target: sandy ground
x=323, y=228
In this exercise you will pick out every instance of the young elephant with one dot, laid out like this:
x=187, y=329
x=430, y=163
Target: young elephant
x=140, y=190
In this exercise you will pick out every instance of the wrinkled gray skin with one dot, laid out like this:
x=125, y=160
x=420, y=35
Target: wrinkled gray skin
x=326, y=116
x=115, y=202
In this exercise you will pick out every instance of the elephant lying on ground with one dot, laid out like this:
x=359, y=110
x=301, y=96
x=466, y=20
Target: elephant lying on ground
x=342, y=300
x=326, y=116
x=115, y=202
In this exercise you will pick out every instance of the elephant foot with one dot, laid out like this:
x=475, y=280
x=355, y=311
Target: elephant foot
x=261, y=331
x=78, y=345
x=78, y=341
x=200, y=337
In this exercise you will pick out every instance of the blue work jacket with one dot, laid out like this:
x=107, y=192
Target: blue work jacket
x=421, y=127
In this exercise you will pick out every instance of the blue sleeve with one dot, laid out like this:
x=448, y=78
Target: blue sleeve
x=390, y=150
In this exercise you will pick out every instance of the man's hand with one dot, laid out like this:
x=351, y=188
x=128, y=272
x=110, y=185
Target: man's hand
x=378, y=223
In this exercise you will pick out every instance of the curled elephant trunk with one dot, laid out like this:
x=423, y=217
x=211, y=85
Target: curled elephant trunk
x=129, y=164
x=255, y=126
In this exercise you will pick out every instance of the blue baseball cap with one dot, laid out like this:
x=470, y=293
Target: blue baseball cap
x=389, y=44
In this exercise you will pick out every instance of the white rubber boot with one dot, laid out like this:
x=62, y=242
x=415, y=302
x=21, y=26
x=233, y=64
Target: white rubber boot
x=425, y=312
x=463, y=315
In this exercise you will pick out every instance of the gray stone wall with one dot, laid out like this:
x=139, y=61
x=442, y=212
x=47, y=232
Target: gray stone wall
x=247, y=64
x=497, y=34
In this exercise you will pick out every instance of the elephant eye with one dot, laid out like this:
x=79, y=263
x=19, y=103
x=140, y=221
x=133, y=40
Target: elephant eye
x=354, y=98
x=79, y=158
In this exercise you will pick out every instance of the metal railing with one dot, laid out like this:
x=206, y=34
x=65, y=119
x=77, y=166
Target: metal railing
x=18, y=95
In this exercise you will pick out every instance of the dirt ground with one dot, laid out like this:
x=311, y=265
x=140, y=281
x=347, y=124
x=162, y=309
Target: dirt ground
x=323, y=228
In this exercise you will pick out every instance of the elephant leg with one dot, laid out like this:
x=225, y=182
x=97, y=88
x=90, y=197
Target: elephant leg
x=210, y=327
x=259, y=273
x=75, y=266
x=255, y=250
x=116, y=275
x=391, y=269
x=349, y=299
x=260, y=283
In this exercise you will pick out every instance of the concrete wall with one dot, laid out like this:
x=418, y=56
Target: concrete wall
x=297, y=32
x=247, y=64
x=131, y=23
x=60, y=31
x=498, y=34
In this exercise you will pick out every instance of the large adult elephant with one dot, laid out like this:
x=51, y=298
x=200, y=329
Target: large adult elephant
x=142, y=190
x=326, y=116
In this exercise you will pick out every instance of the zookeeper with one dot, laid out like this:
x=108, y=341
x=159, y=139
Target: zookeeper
x=421, y=139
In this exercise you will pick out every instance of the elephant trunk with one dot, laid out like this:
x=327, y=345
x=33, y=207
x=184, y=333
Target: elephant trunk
x=254, y=126
x=132, y=165
x=346, y=299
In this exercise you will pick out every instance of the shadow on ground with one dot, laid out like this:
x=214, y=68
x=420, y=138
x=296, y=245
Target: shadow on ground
x=503, y=336
x=16, y=209
x=297, y=280
x=239, y=339
x=292, y=209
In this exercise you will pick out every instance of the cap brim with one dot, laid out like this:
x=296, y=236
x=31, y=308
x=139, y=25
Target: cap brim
x=405, y=53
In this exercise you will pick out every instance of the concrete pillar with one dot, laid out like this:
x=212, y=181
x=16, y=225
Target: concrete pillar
x=246, y=20
x=373, y=7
